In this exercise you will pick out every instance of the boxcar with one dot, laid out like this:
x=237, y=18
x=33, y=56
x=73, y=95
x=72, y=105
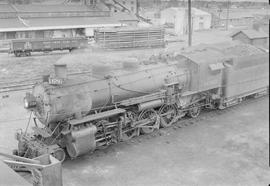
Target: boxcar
x=24, y=47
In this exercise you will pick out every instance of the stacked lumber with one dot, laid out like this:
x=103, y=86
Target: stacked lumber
x=130, y=37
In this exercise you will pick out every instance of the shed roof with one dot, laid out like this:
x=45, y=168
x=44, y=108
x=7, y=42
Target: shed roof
x=45, y=23
x=17, y=24
x=13, y=23
x=47, y=8
x=199, y=12
x=4, y=8
x=251, y=34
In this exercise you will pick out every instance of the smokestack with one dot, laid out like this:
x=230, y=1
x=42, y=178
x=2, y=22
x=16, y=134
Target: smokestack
x=45, y=78
x=60, y=71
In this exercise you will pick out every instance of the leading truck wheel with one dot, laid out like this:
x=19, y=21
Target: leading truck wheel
x=28, y=53
x=17, y=54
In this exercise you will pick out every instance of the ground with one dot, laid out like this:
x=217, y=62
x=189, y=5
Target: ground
x=228, y=147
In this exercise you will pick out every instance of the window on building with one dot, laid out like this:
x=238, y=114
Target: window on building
x=48, y=34
x=11, y=35
x=20, y=35
x=132, y=2
x=2, y=36
x=39, y=34
x=124, y=2
x=132, y=9
x=201, y=17
x=31, y=34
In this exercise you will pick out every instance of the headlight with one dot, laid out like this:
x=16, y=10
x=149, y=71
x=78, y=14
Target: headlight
x=29, y=101
x=26, y=103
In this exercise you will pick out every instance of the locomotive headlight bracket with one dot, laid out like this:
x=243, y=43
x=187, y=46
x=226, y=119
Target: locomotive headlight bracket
x=29, y=101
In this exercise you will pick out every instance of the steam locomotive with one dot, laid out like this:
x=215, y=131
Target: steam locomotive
x=75, y=117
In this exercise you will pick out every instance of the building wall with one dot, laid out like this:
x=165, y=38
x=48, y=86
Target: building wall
x=180, y=22
x=259, y=42
x=201, y=22
x=241, y=37
x=178, y=17
x=167, y=16
x=175, y=18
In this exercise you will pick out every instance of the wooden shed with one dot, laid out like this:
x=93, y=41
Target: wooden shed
x=253, y=37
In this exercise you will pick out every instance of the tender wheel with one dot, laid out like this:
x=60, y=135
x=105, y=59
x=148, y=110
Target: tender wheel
x=28, y=53
x=18, y=54
x=59, y=154
x=167, y=114
x=151, y=115
x=195, y=111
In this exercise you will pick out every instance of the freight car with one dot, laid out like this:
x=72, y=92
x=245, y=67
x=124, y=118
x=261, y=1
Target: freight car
x=77, y=116
x=24, y=47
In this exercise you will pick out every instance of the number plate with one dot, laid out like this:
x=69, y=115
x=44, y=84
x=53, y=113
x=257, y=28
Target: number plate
x=55, y=81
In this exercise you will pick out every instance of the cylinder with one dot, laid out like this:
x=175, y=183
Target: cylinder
x=45, y=78
x=82, y=141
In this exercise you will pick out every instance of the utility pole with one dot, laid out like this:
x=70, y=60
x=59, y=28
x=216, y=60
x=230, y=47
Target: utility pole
x=137, y=7
x=227, y=16
x=189, y=24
